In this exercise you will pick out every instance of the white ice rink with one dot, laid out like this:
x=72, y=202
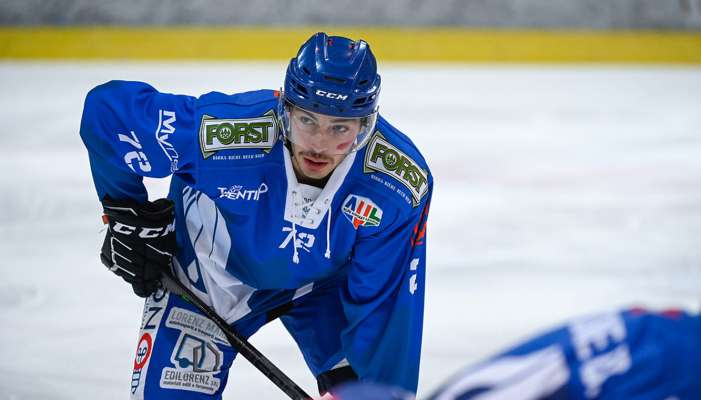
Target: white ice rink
x=558, y=191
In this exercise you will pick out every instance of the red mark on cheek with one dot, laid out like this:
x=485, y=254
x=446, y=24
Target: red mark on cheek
x=344, y=146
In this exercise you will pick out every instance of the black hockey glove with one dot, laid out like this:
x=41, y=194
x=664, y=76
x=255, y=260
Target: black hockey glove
x=140, y=242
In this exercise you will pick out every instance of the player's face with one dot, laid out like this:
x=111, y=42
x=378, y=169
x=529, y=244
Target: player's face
x=320, y=142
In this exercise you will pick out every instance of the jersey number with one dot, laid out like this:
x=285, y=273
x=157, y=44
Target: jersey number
x=137, y=155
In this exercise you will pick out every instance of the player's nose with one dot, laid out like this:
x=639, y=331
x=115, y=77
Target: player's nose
x=319, y=142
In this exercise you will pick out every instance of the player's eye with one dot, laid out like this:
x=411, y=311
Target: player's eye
x=340, y=130
x=306, y=120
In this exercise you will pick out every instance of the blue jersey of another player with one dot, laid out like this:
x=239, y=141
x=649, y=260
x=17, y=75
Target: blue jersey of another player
x=632, y=355
x=251, y=237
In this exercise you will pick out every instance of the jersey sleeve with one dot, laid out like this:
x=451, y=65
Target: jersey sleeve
x=131, y=131
x=383, y=301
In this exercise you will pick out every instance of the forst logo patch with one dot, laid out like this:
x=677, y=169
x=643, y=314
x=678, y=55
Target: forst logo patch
x=228, y=134
x=383, y=157
x=361, y=211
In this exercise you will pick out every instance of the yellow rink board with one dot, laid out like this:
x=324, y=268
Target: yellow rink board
x=389, y=44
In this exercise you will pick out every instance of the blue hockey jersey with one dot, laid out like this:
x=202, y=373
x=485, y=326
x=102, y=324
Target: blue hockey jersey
x=632, y=355
x=251, y=237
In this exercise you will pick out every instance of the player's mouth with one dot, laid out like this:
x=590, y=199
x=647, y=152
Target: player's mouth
x=315, y=164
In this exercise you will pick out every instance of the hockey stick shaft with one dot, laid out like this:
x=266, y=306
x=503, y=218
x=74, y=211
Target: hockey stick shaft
x=239, y=343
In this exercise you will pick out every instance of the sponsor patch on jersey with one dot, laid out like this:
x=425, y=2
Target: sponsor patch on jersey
x=165, y=129
x=143, y=351
x=361, y=211
x=151, y=320
x=196, y=324
x=180, y=379
x=382, y=156
x=230, y=134
x=238, y=192
x=197, y=360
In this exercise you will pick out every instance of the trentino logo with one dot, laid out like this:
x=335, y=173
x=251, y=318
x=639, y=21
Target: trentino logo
x=237, y=192
x=229, y=134
x=361, y=211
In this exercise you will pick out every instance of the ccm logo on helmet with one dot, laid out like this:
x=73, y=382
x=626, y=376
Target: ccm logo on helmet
x=331, y=95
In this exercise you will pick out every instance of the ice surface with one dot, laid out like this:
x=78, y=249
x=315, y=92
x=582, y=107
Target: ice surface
x=559, y=191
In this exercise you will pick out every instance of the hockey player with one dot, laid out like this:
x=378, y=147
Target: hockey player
x=302, y=204
x=632, y=355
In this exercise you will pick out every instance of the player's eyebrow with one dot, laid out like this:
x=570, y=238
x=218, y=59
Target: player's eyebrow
x=335, y=120
x=308, y=114
x=343, y=120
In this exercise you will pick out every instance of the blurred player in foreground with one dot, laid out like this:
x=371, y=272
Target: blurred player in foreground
x=629, y=355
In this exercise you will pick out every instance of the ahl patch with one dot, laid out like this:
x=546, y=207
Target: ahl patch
x=229, y=134
x=382, y=156
x=361, y=211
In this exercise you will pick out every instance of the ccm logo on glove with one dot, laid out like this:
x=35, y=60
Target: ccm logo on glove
x=140, y=241
x=146, y=233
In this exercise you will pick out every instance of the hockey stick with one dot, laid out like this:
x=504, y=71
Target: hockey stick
x=241, y=345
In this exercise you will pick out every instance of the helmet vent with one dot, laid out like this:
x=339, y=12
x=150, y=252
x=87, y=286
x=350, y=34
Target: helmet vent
x=306, y=71
x=363, y=82
x=334, y=79
x=300, y=89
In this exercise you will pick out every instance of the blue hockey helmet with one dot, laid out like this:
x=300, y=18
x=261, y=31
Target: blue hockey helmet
x=335, y=76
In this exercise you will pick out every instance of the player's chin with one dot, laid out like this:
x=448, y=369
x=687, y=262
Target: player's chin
x=317, y=174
